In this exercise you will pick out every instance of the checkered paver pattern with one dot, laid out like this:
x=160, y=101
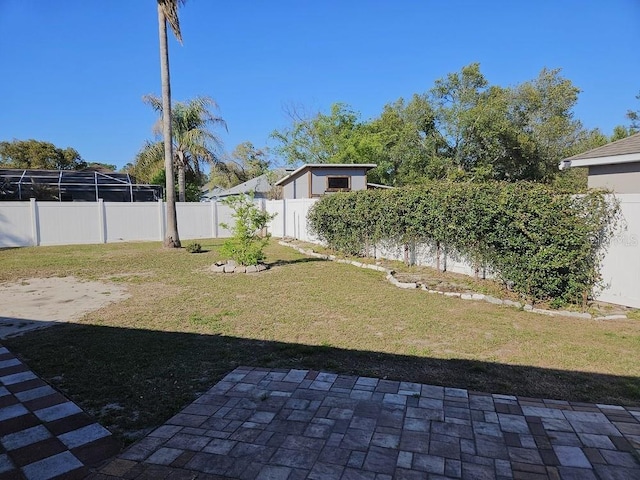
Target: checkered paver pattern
x=42, y=434
x=294, y=424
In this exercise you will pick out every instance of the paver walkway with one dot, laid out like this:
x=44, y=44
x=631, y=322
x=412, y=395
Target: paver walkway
x=42, y=434
x=295, y=424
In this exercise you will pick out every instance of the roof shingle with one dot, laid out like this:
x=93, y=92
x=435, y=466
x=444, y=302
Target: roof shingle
x=624, y=146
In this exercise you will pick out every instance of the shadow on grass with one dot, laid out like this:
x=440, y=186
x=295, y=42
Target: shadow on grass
x=279, y=263
x=132, y=380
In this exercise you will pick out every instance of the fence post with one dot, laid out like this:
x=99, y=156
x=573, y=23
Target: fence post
x=161, y=218
x=284, y=217
x=213, y=220
x=35, y=222
x=216, y=219
x=102, y=224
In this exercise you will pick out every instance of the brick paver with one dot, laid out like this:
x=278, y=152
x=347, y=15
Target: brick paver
x=294, y=424
x=42, y=434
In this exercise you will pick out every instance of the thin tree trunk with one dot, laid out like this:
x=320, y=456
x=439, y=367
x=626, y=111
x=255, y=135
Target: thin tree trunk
x=172, y=239
x=181, y=183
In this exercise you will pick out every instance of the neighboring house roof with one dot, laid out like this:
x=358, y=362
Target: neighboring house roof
x=621, y=151
x=256, y=185
x=320, y=166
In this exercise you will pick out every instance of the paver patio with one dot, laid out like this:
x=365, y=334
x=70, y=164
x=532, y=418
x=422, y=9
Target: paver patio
x=43, y=435
x=294, y=424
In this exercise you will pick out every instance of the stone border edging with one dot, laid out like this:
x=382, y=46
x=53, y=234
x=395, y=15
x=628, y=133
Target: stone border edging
x=464, y=296
x=230, y=266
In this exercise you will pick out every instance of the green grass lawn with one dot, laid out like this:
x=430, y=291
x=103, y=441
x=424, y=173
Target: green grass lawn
x=136, y=363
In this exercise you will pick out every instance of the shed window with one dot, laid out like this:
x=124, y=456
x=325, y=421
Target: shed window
x=337, y=183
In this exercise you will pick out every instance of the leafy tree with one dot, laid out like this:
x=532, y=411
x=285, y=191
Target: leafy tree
x=36, y=154
x=620, y=132
x=542, y=114
x=192, y=189
x=168, y=12
x=102, y=166
x=244, y=163
x=461, y=129
x=193, y=142
x=456, y=99
x=405, y=143
x=322, y=138
x=634, y=117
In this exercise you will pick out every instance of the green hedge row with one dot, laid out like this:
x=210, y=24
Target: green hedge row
x=544, y=243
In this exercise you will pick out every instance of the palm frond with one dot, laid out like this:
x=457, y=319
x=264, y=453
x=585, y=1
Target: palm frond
x=170, y=11
x=149, y=161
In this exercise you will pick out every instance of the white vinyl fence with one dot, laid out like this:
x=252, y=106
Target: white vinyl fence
x=67, y=223
x=55, y=223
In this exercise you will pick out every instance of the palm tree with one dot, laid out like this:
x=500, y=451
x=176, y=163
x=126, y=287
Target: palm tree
x=193, y=141
x=168, y=12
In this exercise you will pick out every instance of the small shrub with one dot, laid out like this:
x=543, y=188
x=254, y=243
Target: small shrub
x=193, y=247
x=247, y=245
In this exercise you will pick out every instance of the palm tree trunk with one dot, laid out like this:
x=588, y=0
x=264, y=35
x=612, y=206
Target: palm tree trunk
x=171, y=239
x=182, y=183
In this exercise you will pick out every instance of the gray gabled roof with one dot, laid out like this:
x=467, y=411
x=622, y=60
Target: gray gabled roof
x=256, y=185
x=620, y=151
x=309, y=166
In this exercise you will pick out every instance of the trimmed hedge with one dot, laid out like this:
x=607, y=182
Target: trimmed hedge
x=545, y=244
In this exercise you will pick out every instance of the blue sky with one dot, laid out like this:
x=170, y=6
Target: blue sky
x=74, y=72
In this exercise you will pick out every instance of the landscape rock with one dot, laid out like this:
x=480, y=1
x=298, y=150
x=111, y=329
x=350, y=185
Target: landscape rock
x=232, y=263
x=261, y=267
x=252, y=269
x=477, y=296
x=511, y=303
x=240, y=269
x=539, y=310
x=494, y=300
x=466, y=296
x=217, y=268
x=612, y=317
x=229, y=268
x=567, y=313
x=451, y=294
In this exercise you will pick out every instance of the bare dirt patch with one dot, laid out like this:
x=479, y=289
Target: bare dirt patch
x=41, y=302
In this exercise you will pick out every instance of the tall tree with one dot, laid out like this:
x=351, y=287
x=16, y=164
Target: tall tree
x=634, y=117
x=168, y=12
x=193, y=141
x=321, y=138
x=244, y=163
x=455, y=99
x=39, y=155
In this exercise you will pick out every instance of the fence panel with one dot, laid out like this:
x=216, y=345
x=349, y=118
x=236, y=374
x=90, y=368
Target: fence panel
x=135, y=221
x=195, y=220
x=69, y=223
x=276, y=226
x=16, y=227
x=621, y=264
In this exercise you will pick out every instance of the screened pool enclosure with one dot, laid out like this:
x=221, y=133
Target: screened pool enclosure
x=74, y=186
